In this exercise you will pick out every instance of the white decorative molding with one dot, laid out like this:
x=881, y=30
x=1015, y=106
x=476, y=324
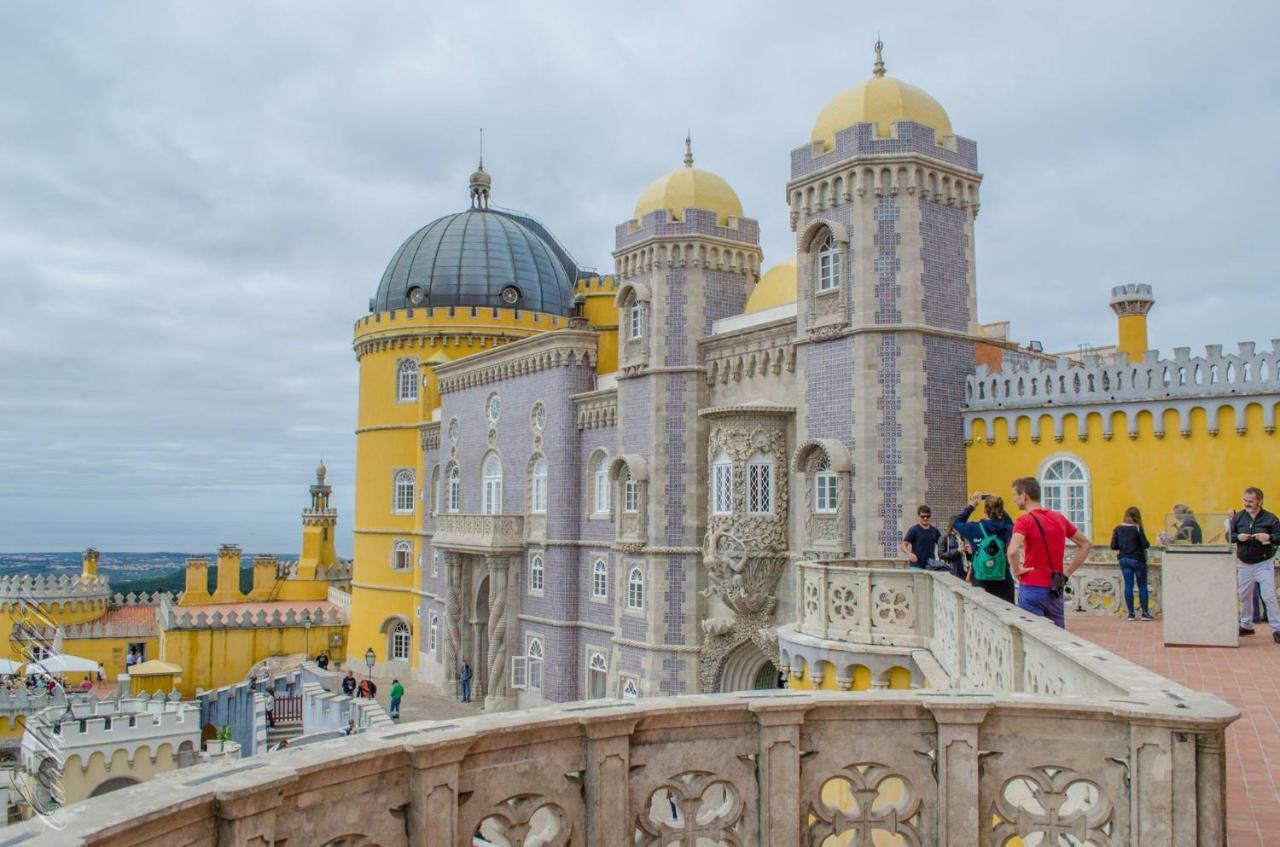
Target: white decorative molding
x=561, y=348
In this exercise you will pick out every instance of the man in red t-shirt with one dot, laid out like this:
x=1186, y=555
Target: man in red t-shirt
x=1038, y=549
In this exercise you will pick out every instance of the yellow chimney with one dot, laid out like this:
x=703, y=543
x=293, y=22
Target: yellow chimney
x=89, y=564
x=264, y=576
x=197, y=585
x=228, y=588
x=1131, y=303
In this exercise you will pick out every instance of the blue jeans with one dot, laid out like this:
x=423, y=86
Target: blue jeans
x=1038, y=601
x=395, y=705
x=1134, y=569
x=466, y=691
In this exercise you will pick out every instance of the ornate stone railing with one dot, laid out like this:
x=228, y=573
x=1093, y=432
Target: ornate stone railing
x=785, y=768
x=479, y=533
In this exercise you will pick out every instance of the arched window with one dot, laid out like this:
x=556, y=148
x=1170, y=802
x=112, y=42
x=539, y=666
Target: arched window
x=1064, y=485
x=599, y=484
x=455, y=481
x=534, y=652
x=433, y=637
x=600, y=580
x=407, y=381
x=492, y=479
x=539, y=475
x=597, y=675
x=760, y=485
x=401, y=638
x=630, y=690
x=722, y=485
x=635, y=589
x=829, y=264
x=630, y=494
x=402, y=555
x=826, y=488
x=403, y=498
x=635, y=321
x=536, y=575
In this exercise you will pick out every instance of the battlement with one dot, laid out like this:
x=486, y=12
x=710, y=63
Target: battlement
x=909, y=138
x=1097, y=380
x=253, y=615
x=697, y=222
x=38, y=587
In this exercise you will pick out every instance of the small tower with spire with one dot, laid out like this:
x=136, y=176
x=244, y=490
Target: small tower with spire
x=481, y=182
x=319, y=525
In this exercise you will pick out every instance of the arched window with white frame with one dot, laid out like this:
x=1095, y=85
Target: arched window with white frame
x=454, y=488
x=826, y=488
x=829, y=264
x=403, y=492
x=635, y=321
x=722, y=485
x=635, y=589
x=407, y=381
x=1064, y=487
x=760, y=484
x=433, y=635
x=630, y=493
x=537, y=574
x=491, y=478
x=402, y=555
x=630, y=689
x=597, y=675
x=599, y=484
x=538, y=479
x=600, y=580
x=535, y=654
x=401, y=640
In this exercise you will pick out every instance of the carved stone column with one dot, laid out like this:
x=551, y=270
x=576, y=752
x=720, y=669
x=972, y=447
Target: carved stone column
x=1211, y=788
x=607, y=783
x=432, y=819
x=497, y=692
x=779, y=769
x=453, y=616
x=959, y=818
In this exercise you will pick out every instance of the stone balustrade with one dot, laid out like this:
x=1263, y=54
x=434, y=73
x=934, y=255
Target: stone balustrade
x=470, y=533
x=341, y=600
x=762, y=768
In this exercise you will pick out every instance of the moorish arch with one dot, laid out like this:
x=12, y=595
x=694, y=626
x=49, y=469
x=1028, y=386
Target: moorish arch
x=748, y=668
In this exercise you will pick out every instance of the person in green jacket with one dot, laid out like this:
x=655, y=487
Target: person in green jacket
x=397, y=694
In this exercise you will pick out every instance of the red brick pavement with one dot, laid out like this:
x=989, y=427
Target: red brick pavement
x=1249, y=679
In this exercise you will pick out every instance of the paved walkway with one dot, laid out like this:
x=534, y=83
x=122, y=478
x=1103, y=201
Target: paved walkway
x=422, y=702
x=1247, y=678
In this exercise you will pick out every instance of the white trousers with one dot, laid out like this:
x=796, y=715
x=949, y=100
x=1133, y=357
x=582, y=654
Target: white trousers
x=1263, y=575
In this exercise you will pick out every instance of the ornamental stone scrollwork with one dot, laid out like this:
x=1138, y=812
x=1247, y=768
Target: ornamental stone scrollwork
x=893, y=606
x=1052, y=805
x=746, y=585
x=527, y=820
x=691, y=809
x=759, y=532
x=864, y=799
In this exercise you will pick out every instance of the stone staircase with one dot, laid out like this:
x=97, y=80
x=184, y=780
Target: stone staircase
x=282, y=732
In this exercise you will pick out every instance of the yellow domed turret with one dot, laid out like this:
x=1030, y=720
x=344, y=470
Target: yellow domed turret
x=776, y=288
x=880, y=100
x=690, y=188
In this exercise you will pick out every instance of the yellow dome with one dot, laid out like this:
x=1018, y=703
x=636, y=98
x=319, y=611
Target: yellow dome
x=776, y=288
x=689, y=188
x=880, y=100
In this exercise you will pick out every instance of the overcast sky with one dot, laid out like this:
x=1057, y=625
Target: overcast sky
x=197, y=200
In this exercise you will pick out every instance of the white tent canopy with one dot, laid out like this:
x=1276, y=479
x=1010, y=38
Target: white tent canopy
x=63, y=663
x=10, y=666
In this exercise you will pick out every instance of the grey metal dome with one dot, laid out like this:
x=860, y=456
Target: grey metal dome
x=473, y=258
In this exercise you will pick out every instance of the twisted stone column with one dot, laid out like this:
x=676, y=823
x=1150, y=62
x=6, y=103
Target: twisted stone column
x=453, y=616
x=498, y=654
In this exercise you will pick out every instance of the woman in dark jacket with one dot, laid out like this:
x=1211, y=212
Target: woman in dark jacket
x=1130, y=542
x=996, y=524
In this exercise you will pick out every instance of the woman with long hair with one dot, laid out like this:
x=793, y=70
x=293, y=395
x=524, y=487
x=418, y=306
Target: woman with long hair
x=988, y=540
x=1129, y=540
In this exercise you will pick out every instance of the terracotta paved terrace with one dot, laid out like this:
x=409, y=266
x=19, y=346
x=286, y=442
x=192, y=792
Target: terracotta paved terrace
x=1249, y=679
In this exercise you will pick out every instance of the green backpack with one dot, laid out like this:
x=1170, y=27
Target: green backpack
x=989, y=561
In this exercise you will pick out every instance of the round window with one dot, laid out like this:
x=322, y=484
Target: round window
x=417, y=296
x=495, y=408
x=539, y=417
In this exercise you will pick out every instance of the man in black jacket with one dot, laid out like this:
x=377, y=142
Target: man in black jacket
x=1255, y=532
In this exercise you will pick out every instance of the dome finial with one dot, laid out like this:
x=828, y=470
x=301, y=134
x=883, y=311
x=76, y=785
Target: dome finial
x=688, y=149
x=878, y=70
x=480, y=181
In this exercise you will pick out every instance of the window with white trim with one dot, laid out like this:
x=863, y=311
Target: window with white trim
x=492, y=485
x=1064, y=485
x=600, y=580
x=455, y=488
x=630, y=688
x=600, y=484
x=433, y=635
x=826, y=488
x=539, y=504
x=401, y=639
x=630, y=495
x=403, y=496
x=760, y=485
x=635, y=589
x=535, y=656
x=597, y=675
x=829, y=264
x=402, y=556
x=407, y=381
x=635, y=322
x=722, y=485
x=537, y=575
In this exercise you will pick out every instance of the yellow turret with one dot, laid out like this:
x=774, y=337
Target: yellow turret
x=89, y=564
x=1131, y=303
x=319, y=522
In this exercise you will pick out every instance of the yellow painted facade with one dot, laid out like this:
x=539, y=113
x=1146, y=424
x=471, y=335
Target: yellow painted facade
x=214, y=657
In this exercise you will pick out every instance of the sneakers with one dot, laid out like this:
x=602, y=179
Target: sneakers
x=1244, y=631
x=1147, y=617
x=1131, y=619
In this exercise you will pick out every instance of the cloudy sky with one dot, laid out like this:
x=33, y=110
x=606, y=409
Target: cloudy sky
x=197, y=200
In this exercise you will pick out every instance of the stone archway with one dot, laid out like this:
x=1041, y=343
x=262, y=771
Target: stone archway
x=746, y=668
x=115, y=783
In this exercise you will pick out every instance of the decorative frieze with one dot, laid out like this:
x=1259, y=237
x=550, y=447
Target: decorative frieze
x=479, y=533
x=597, y=410
x=563, y=348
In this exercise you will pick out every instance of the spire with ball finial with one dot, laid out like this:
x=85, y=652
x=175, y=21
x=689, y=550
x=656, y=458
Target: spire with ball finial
x=878, y=69
x=481, y=182
x=688, y=149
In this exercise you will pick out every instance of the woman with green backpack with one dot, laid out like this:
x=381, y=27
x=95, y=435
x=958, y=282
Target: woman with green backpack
x=989, y=540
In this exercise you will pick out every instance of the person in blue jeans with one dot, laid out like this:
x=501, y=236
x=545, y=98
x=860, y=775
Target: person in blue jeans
x=1037, y=552
x=465, y=679
x=1129, y=540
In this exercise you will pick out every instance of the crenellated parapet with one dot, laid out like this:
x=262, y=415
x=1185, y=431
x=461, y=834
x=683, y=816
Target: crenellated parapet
x=49, y=587
x=1183, y=383
x=177, y=617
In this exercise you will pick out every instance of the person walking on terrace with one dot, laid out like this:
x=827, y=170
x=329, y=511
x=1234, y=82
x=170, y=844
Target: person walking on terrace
x=921, y=541
x=1129, y=540
x=1037, y=552
x=989, y=538
x=349, y=683
x=1255, y=532
x=397, y=694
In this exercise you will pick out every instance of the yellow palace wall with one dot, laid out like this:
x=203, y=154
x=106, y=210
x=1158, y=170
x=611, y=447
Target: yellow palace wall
x=211, y=658
x=79, y=779
x=1206, y=472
